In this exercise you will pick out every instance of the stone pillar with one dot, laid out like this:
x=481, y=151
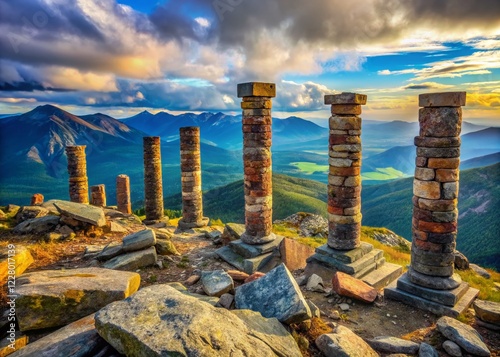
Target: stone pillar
x=36, y=199
x=257, y=134
x=435, y=191
x=192, y=204
x=123, y=194
x=153, y=188
x=77, y=169
x=430, y=283
x=344, y=178
x=98, y=195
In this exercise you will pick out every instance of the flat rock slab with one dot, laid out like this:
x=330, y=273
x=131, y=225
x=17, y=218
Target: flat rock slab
x=488, y=311
x=37, y=225
x=139, y=240
x=387, y=344
x=110, y=251
x=344, y=343
x=133, y=261
x=57, y=297
x=346, y=256
x=294, y=254
x=78, y=339
x=161, y=321
x=463, y=335
x=216, y=283
x=254, y=250
x=21, y=260
x=346, y=285
x=81, y=212
x=289, y=306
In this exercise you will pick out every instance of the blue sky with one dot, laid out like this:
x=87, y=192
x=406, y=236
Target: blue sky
x=124, y=56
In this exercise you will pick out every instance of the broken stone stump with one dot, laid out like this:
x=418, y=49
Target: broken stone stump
x=289, y=306
x=163, y=321
x=36, y=199
x=98, y=195
x=123, y=201
x=44, y=303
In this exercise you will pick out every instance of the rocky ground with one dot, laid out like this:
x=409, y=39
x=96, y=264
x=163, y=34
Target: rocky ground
x=196, y=252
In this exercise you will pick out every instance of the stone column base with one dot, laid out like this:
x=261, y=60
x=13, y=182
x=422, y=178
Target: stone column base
x=252, y=257
x=184, y=226
x=364, y=263
x=163, y=221
x=440, y=302
x=245, y=237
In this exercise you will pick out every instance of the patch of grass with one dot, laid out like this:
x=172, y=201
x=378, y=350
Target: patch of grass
x=216, y=222
x=487, y=288
x=383, y=173
x=310, y=167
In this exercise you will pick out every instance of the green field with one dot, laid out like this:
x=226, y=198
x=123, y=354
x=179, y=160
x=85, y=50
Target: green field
x=310, y=167
x=382, y=174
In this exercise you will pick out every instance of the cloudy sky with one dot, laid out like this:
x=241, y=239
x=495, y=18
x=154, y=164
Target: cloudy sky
x=124, y=56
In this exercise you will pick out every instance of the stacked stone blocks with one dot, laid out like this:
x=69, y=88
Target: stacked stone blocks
x=153, y=187
x=192, y=204
x=98, y=195
x=77, y=170
x=123, y=201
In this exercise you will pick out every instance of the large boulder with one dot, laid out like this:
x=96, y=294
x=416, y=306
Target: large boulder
x=21, y=259
x=346, y=285
x=160, y=321
x=344, y=343
x=139, y=240
x=133, y=260
x=37, y=225
x=463, y=335
x=50, y=298
x=78, y=339
x=83, y=213
x=288, y=306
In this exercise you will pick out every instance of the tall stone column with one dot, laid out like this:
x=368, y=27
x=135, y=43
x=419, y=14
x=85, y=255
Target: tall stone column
x=430, y=283
x=257, y=134
x=98, y=195
x=192, y=204
x=344, y=178
x=123, y=194
x=435, y=191
x=153, y=188
x=77, y=170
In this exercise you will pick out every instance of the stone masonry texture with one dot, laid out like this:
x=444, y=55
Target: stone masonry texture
x=77, y=170
x=98, y=195
x=435, y=187
x=123, y=194
x=344, y=179
x=153, y=188
x=257, y=137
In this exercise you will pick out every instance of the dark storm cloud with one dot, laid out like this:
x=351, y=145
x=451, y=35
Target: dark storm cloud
x=29, y=87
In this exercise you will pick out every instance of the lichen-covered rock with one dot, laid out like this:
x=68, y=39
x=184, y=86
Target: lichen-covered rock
x=165, y=247
x=344, y=343
x=216, y=283
x=488, y=311
x=22, y=260
x=463, y=335
x=52, y=298
x=232, y=231
x=161, y=321
x=81, y=212
x=289, y=306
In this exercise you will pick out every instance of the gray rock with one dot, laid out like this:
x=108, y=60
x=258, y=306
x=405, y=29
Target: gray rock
x=427, y=350
x=315, y=283
x=344, y=307
x=289, y=306
x=110, y=251
x=115, y=227
x=161, y=321
x=226, y=301
x=165, y=247
x=216, y=283
x=315, y=311
x=344, y=343
x=50, y=298
x=233, y=231
x=134, y=260
x=387, y=344
x=213, y=235
x=463, y=335
x=37, y=225
x=139, y=240
x=452, y=348
x=461, y=261
x=78, y=339
x=488, y=311
x=480, y=271
x=31, y=212
x=81, y=212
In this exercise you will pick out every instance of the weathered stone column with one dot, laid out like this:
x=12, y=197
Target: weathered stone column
x=344, y=178
x=435, y=191
x=77, y=170
x=123, y=194
x=192, y=204
x=98, y=195
x=430, y=283
x=257, y=134
x=153, y=188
